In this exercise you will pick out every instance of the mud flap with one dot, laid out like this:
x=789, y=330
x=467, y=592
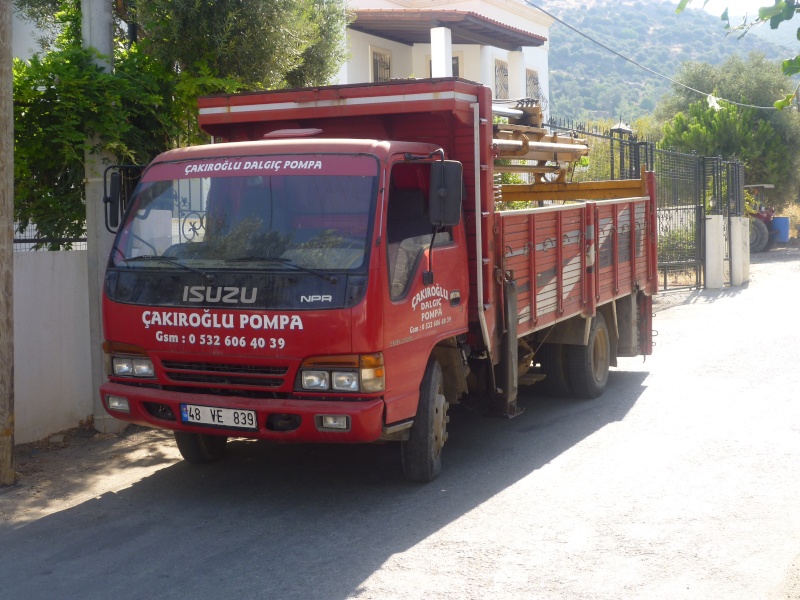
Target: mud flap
x=645, y=324
x=504, y=400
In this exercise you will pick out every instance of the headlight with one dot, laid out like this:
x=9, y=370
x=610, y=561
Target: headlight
x=345, y=381
x=315, y=380
x=130, y=366
x=349, y=373
x=143, y=367
x=123, y=366
x=126, y=360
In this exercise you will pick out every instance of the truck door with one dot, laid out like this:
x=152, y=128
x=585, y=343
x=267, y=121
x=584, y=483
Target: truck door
x=426, y=285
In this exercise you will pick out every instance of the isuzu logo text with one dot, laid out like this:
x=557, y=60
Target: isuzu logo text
x=223, y=295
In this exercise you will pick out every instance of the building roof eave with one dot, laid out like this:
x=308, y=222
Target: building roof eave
x=412, y=26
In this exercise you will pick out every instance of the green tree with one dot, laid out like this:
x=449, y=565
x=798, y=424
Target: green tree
x=61, y=100
x=753, y=81
x=149, y=103
x=776, y=14
x=263, y=43
x=730, y=132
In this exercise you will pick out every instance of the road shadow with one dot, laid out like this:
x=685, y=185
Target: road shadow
x=289, y=522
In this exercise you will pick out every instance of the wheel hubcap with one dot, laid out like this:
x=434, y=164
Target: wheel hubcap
x=439, y=423
x=600, y=355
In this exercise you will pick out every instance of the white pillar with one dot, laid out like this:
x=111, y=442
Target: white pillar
x=97, y=27
x=715, y=253
x=441, y=52
x=516, y=75
x=736, y=252
x=487, y=69
x=744, y=223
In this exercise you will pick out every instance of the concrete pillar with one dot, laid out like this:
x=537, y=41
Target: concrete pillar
x=740, y=250
x=736, y=252
x=97, y=28
x=744, y=222
x=516, y=75
x=441, y=52
x=715, y=253
x=487, y=69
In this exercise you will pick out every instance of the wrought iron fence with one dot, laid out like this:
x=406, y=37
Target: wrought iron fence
x=681, y=217
x=687, y=188
x=31, y=239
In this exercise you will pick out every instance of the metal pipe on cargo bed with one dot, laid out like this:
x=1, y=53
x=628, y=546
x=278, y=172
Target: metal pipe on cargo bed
x=529, y=146
x=476, y=141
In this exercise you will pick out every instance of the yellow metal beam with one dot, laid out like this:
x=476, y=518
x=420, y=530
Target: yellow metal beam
x=588, y=190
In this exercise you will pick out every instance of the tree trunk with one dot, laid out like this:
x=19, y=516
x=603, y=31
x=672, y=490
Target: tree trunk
x=6, y=249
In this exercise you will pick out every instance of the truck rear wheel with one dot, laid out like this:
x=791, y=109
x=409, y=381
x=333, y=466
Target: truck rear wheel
x=553, y=358
x=422, y=453
x=588, y=365
x=198, y=448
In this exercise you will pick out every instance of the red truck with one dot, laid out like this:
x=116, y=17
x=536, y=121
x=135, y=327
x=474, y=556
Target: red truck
x=333, y=269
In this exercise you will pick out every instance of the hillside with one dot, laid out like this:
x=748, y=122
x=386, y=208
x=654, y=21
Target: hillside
x=588, y=82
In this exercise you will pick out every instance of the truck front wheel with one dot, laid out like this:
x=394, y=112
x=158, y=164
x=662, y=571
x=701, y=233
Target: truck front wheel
x=422, y=452
x=198, y=448
x=588, y=365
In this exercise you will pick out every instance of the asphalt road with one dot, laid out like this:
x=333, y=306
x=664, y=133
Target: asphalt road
x=682, y=481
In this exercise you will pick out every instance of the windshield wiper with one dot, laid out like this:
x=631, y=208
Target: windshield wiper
x=170, y=261
x=289, y=263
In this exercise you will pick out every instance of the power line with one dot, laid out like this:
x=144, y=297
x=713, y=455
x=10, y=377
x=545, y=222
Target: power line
x=711, y=98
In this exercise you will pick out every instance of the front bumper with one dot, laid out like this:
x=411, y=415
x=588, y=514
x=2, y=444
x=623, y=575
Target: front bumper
x=149, y=407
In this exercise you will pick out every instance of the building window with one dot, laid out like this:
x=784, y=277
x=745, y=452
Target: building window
x=381, y=64
x=532, y=89
x=456, y=65
x=501, y=80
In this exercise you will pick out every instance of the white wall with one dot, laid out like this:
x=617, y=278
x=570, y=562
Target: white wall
x=52, y=369
x=359, y=66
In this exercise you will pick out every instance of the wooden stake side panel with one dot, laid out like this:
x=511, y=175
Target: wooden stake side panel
x=621, y=234
x=543, y=251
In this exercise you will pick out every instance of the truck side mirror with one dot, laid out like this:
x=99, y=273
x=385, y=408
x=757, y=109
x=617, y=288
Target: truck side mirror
x=445, y=193
x=113, y=199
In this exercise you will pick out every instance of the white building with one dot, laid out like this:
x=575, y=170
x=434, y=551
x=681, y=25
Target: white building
x=471, y=39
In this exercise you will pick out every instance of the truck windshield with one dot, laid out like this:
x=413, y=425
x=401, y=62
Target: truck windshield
x=255, y=212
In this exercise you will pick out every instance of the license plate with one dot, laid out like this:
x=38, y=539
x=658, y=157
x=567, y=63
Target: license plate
x=229, y=418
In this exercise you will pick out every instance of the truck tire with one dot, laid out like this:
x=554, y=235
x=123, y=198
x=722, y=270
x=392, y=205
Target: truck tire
x=422, y=453
x=588, y=365
x=553, y=358
x=199, y=448
x=759, y=235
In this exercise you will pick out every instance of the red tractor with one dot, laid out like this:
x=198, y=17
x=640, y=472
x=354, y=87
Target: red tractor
x=763, y=233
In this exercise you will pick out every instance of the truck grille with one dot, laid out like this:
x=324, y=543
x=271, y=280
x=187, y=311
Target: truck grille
x=221, y=374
